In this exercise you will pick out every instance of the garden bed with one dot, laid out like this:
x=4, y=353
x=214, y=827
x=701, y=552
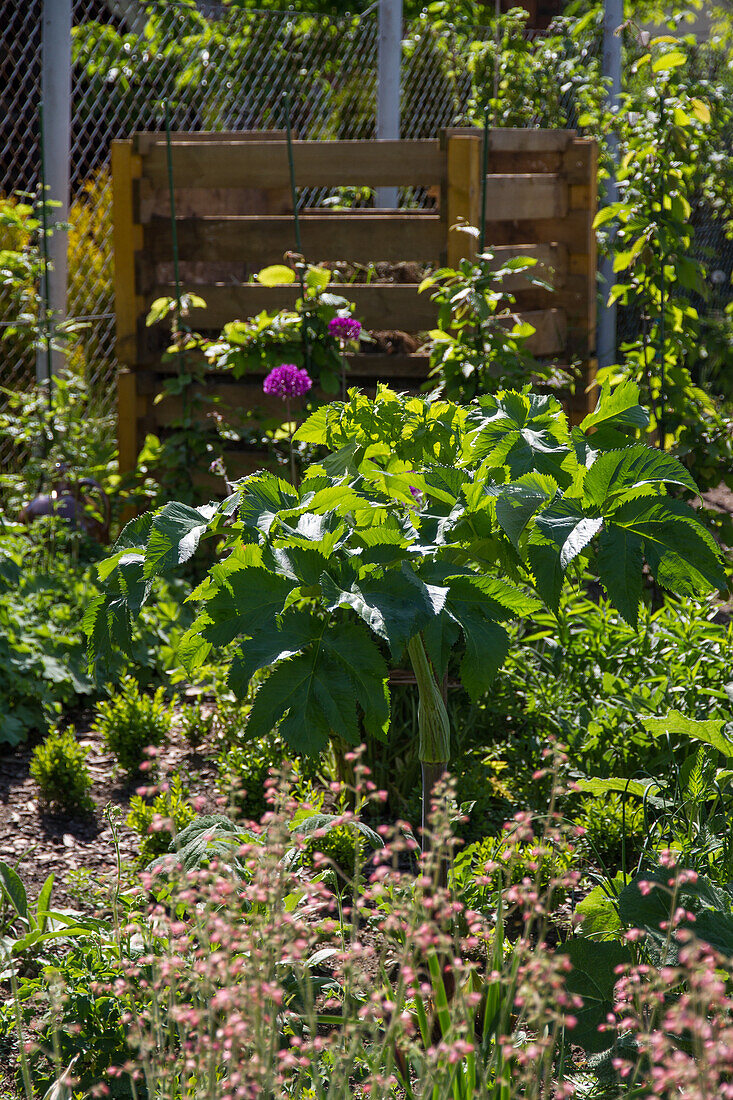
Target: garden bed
x=38, y=841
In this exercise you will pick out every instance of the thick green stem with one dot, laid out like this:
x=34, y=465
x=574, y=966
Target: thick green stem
x=433, y=727
x=432, y=717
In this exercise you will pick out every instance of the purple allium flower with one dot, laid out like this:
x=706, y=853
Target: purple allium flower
x=287, y=381
x=344, y=328
x=417, y=494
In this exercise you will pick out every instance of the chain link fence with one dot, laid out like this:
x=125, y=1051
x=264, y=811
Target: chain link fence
x=216, y=68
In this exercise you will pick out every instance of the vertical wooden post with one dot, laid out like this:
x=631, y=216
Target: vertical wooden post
x=463, y=153
x=580, y=169
x=127, y=238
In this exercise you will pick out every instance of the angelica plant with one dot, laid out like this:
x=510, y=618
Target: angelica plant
x=427, y=529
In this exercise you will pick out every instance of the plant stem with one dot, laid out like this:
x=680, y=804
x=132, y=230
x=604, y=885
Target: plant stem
x=293, y=477
x=434, y=729
x=662, y=290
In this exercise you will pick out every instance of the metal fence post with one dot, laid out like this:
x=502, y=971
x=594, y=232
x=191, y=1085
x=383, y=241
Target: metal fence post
x=56, y=137
x=389, y=61
x=613, y=17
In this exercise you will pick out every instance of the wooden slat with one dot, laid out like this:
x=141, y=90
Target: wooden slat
x=572, y=231
x=382, y=163
x=127, y=441
x=194, y=202
x=127, y=238
x=519, y=197
x=377, y=306
x=578, y=159
x=380, y=306
x=255, y=240
x=144, y=140
x=517, y=139
x=510, y=163
x=550, y=333
x=363, y=366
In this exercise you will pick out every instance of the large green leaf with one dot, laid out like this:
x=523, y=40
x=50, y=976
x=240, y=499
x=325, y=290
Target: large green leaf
x=295, y=632
x=681, y=554
x=578, y=539
x=487, y=645
x=396, y=605
x=346, y=646
x=311, y=696
x=543, y=555
x=520, y=500
x=351, y=646
x=593, y=978
x=619, y=406
x=615, y=474
x=249, y=602
x=174, y=536
x=599, y=912
x=262, y=497
x=323, y=823
x=560, y=533
x=711, y=731
x=13, y=889
x=648, y=900
x=524, y=432
x=598, y=786
x=620, y=562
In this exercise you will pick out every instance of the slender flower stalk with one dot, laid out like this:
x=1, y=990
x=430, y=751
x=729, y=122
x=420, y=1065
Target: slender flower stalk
x=288, y=381
x=346, y=330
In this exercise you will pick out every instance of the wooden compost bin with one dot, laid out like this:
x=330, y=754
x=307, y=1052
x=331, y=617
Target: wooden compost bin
x=234, y=216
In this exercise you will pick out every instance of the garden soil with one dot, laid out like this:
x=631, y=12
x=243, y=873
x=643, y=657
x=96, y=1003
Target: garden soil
x=81, y=850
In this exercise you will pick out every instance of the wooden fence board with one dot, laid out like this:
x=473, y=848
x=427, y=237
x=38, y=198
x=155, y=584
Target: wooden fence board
x=519, y=197
x=377, y=305
x=509, y=139
x=380, y=163
x=265, y=240
x=144, y=140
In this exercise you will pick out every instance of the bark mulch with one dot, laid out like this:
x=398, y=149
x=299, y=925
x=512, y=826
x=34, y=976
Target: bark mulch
x=37, y=841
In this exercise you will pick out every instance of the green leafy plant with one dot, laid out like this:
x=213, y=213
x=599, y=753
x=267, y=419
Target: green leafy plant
x=80, y=1033
x=300, y=336
x=421, y=533
x=59, y=767
x=480, y=343
x=665, y=141
x=196, y=726
x=686, y=805
x=614, y=828
x=30, y=932
x=154, y=821
x=131, y=721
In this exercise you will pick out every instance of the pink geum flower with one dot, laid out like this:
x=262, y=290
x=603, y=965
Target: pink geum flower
x=344, y=328
x=287, y=381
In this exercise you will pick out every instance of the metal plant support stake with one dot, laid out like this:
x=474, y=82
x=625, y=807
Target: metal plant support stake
x=174, y=242
x=662, y=291
x=300, y=262
x=484, y=171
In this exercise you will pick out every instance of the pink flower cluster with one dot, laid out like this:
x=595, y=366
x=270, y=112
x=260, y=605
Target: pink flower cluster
x=287, y=381
x=344, y=328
